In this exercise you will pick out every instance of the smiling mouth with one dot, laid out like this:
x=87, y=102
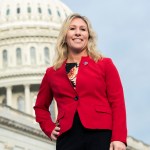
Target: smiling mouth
x=77, y=40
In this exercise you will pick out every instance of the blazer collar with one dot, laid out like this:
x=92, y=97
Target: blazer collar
x=84, y=60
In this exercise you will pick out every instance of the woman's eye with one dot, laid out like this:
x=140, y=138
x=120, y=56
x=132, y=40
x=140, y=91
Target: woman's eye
x=72, y=28
x=83, y=29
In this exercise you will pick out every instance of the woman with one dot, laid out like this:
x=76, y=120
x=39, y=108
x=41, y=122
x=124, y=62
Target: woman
x=88, y=92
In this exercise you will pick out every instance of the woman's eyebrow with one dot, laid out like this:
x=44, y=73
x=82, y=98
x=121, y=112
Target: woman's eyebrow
x=79, y=26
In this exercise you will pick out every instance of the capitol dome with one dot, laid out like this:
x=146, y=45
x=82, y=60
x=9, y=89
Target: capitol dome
x=45, y=10
x=28, y=33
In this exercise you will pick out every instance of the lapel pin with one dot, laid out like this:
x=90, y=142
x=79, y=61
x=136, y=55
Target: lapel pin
x=85, y=63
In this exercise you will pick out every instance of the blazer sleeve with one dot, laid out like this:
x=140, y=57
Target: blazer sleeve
x=115, y=96
x=43, y=101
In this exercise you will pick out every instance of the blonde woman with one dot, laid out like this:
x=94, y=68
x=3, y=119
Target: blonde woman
x=88, y=91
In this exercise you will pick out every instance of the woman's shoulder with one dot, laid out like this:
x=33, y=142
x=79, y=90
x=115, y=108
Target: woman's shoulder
x=106, y=63
x=105, y=60
x=50, y=70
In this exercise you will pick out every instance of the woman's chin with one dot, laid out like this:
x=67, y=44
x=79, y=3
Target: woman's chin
x=78, y=50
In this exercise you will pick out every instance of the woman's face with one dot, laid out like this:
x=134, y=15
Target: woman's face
x=77, y=36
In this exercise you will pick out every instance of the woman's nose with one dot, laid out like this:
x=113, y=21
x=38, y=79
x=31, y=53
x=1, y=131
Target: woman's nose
x=77, y=32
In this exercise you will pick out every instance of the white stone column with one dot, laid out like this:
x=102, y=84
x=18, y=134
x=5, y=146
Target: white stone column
x=27, y=98
x=9, y=96
x=1, y=58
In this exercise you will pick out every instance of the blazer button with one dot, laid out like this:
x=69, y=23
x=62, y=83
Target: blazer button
x=76, y=98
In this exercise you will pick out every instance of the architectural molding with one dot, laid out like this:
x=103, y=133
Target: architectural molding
x=20, y=74
x=50, y=39
x=134, y=144
x=21, y=127
x=11, y=123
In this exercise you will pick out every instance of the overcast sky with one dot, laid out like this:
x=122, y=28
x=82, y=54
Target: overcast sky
x=123, y=30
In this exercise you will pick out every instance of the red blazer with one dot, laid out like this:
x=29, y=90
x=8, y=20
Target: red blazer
x=98, y=98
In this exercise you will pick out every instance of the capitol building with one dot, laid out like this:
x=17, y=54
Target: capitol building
x=28, y=33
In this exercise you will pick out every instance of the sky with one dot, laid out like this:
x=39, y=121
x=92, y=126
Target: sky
x=123, y=31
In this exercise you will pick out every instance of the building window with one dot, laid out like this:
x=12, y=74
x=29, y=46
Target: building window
x=4, y=101
x=66, y=15
x=5, y=58
x=49, y=11
x=20, y=103
x=46, y=55
x=19, y=56
x=33, y=55
x=7, y=11
x=29, y=9
x=39, y=10
x=18, y=10
x=58, y=13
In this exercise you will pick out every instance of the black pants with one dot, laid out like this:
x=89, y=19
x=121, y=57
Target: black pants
x=79, y=138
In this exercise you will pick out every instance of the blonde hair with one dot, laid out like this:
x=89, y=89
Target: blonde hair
x=61, y=45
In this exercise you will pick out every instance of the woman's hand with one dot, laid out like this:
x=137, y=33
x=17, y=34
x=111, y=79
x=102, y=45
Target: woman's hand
x=55, y=133
x=117, y=145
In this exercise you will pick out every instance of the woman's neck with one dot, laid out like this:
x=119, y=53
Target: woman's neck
x=75, y=57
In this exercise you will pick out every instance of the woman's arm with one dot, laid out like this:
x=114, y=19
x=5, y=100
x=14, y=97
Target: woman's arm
x=43, y=101
x=116, y=99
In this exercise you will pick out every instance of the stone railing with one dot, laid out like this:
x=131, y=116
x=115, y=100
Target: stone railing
x=21, y=122
x=134, y=144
